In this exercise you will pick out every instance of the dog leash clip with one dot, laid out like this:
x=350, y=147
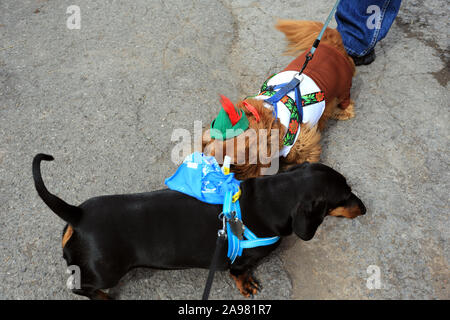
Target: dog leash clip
x=222, y=232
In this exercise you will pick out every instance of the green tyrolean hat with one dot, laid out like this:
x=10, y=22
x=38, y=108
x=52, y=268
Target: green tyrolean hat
x=230, y=122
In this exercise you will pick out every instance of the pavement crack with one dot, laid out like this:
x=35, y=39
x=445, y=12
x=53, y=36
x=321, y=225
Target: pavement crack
x=443, y=75
x=139, y=106
x=234, y=62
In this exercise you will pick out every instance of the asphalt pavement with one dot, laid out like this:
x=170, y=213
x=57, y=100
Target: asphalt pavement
x=105, y=99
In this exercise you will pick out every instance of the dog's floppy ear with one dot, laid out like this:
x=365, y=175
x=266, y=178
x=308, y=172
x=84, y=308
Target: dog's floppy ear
x=308, y=218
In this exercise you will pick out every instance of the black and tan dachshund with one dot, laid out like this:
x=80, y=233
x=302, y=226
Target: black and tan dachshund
x=107, y=236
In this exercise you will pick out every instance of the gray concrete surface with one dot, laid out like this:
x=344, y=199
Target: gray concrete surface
x=105, y=99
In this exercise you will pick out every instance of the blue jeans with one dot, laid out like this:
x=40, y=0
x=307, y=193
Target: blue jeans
x=362, y=23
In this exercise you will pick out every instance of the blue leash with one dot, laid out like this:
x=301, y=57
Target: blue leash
x=327, y=22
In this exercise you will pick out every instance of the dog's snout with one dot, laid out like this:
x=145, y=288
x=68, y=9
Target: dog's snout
x=362, y=207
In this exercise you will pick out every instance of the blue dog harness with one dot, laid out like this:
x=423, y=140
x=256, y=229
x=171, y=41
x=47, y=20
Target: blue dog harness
x=283, y=90
x=236, y=243
x=201, y=177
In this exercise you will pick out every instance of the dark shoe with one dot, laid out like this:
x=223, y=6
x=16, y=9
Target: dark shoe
x=364, y=60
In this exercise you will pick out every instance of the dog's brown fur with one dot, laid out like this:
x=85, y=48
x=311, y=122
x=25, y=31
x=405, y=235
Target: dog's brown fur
x=349, y=213
x=67, y=235
x=247, y=285
x=300, y=35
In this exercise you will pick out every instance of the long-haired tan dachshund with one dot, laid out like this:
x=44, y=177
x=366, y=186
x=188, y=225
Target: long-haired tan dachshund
x=325, y=91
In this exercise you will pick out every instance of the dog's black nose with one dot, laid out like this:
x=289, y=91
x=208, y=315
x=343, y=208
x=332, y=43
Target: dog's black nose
x=363, y=209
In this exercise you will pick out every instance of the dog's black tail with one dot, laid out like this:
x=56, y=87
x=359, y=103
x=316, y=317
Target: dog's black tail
x=65, y=211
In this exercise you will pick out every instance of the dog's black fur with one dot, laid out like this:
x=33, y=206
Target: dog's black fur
x=166, y=229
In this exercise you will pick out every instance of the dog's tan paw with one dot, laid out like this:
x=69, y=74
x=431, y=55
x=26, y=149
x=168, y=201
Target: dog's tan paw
x=345, y=114
x=246, y=284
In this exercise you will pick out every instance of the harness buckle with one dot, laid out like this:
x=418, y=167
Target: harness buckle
x=237, y=227
x=236, y=195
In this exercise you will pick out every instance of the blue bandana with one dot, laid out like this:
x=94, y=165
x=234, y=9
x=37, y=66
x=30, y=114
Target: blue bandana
x=201, y=177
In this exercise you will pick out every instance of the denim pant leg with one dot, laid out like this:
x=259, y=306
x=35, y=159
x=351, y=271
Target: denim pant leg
x=362, y=23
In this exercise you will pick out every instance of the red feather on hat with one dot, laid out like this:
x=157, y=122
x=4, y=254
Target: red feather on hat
x=230, y=110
